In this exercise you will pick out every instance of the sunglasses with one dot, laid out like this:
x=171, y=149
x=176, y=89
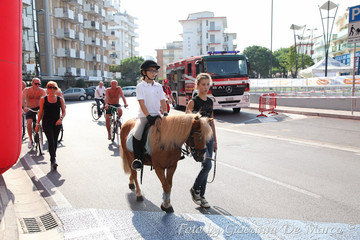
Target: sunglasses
x=51, y=87
x=37, y=84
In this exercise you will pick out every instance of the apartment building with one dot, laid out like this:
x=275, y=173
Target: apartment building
x=79, y=39
x=203, y=32
x=172, y=53
x=340, y=49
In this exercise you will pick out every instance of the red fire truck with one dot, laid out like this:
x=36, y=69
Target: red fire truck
x=229, y=71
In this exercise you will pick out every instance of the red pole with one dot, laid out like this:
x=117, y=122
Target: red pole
x=10, y=68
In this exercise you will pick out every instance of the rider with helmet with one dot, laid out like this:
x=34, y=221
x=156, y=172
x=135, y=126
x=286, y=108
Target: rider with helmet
x=151, y=97
x=168, y=95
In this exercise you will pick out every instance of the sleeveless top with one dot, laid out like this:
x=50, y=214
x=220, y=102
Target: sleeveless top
x=205, y=108
x=51, y=111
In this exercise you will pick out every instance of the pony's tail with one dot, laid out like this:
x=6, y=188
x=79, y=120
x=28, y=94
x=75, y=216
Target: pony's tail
x=124, y=153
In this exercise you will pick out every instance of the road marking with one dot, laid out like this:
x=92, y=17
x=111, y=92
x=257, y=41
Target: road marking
x=294, y=188
x=297, y=140
x=58, y=198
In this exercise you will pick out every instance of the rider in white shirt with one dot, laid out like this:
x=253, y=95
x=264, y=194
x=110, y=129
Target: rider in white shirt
x=99, y=96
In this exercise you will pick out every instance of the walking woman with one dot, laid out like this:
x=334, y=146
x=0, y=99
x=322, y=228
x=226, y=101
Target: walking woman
x=49, y=113
x=204, y=105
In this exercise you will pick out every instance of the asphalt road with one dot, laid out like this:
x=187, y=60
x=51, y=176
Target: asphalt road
x=287, y=167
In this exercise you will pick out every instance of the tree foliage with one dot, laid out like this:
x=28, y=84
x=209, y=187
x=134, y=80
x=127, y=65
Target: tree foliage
x=130, y=69
x=259, y=58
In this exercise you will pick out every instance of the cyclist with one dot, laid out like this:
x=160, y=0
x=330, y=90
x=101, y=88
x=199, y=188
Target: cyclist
x=31, y=100
x=151, y=97
x=99, y=96
x=112, y=97
x=167, y=91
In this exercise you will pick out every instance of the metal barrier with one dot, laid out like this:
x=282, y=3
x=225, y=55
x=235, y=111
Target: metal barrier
x=267, y=102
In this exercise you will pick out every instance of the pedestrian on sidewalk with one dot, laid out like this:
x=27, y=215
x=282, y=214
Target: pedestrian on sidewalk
x=204, y=105
x=49, y=113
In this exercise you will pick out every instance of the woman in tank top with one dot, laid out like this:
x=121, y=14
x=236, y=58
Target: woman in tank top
x=49, y=113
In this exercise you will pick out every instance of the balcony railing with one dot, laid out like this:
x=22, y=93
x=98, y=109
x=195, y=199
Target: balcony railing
x=109, y=6
x=64, y=13
x=65, y=33
x=80, y=36
x=74, y=2
x=80, y=54
x=91, y=8
x=92, y=25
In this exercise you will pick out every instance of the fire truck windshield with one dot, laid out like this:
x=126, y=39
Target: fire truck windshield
x=232, y=68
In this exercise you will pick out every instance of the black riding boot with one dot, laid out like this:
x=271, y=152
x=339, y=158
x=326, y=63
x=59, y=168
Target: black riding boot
x=138, y=159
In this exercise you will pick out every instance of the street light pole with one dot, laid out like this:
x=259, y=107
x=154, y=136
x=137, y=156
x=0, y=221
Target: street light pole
x=327, y=36
x=271, y=57
x=295, y=27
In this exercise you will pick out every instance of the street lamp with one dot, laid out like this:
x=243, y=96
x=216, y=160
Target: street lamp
x=311, y=39
x=295, y=28
x=327, y=6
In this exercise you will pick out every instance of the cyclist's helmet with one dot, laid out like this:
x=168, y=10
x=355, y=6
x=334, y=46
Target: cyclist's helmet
x=165, y=81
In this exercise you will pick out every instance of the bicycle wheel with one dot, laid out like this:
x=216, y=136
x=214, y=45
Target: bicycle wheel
x=40, y=140
x=61, y=134
x=117, y=131
x=94, y=112
x=23, y=126
x=113, y=128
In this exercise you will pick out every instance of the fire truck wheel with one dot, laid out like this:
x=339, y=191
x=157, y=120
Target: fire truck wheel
x=236, y=110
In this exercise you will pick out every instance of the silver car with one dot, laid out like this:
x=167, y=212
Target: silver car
x=74, y=94
x=129, y=90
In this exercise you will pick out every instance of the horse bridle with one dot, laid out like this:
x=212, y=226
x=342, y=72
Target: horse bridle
x=196, y=153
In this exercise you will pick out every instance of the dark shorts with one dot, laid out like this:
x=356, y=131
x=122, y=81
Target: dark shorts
x=32, y=115
x=108, y=111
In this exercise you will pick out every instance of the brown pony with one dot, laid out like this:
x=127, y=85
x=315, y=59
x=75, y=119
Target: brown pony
x=165, y=140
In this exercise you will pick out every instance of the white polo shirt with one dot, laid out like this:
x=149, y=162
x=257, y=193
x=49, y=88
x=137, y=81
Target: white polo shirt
x=152, y=94
x=101, y=91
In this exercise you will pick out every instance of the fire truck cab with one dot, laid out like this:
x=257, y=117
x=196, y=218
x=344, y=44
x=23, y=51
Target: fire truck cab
x=229, y=72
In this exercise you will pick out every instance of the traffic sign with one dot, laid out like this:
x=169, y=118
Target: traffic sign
x=354, y=25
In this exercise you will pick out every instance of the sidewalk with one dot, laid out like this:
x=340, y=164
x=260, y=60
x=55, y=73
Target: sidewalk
x=314, y=112
x=25, y=215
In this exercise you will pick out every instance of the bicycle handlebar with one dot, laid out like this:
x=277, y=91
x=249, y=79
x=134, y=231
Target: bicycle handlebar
x=31, y=110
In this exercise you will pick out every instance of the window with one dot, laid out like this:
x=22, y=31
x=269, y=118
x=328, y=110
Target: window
x=189, y=69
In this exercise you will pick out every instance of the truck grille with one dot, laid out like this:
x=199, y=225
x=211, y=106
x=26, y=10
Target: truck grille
x=228, y=90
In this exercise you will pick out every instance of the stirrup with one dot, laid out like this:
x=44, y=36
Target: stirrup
x=136, y=164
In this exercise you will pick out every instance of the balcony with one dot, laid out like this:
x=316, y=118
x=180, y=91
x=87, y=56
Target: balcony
x=68, y=70
x=106, y=74
x=62, y=52
x=91, y=25
x=74, y=2
x=79, y=18
x=103, y=13
x=97, y=58
x=103, y=28
x=114, y=61
x=26, y=46
x=110, y=7
x=65, y=33
x=90, y=57
x=28, y=68
x=104, y=59
x=103, y=43
x=91, y=9
x=117, y=74
x=97, y=73
x=90, y=73
x=80, y=54
x=112, y=34
x=113, y=48
x=26, y=23
x=26, y=3
x=64, y=13
x=80, y=72
x=80, y=36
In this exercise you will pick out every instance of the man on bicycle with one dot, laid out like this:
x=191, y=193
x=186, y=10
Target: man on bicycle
x=30, y=103
x=99, y=96
x=112, y=97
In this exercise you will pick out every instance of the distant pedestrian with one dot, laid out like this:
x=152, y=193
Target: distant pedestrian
x=49, y=113
x=99, y=96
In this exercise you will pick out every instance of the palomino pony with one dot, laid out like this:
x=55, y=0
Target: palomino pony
x=165, y=140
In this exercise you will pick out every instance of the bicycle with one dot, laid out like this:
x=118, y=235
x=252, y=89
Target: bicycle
x=38, y=137
x=115, y=124
x=94, y=111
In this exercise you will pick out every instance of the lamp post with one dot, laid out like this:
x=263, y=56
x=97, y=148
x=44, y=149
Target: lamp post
x=327, y=6
x=294, y=28
x=311, y=39
x=271, y=57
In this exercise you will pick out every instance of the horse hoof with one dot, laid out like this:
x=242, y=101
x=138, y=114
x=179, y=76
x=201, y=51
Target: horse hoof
x=131, y=186
x=139, y=198
x=167, y=210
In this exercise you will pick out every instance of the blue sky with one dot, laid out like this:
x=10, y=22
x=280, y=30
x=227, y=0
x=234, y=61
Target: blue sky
x=158, y=20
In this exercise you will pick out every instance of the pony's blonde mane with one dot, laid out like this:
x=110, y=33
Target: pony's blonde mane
x=172, y=131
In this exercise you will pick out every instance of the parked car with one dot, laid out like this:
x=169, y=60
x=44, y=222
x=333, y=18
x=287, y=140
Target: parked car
x=74, y=94
x=129, y=90
x=90, y=93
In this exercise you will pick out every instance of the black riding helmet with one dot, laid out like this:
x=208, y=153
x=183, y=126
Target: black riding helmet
x=147, y=64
